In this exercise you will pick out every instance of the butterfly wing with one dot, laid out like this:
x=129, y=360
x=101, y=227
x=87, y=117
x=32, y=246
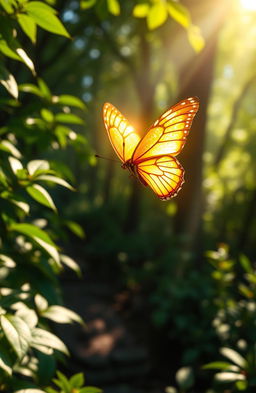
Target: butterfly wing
x=169, y=133
x=122, y=135
x=163, y=174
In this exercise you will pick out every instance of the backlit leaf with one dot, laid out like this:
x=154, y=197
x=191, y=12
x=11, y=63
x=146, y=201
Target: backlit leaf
x=195, y=38
x=37, y=165
x=47, y=339
x=141, y=10
x=157, y=15
x=61, y=315
x=179, y=13
x=55, y=179
x=8, y=81
x=85, y=4
x=39, y=194
x=114, y=7
x=66, y=99
x=17, y=333
x=68, y=118
x=45, y=17
x=28, y=26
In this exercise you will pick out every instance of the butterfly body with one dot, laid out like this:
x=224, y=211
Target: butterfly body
x=151, y=159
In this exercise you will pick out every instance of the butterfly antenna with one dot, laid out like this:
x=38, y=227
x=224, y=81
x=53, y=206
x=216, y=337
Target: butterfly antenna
x=105, y=158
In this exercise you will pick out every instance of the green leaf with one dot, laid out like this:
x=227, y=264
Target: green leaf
x=39, y=194
x=45, y=17
x=141, y=10
x=8, y=81
x=241, y=385
x=195, y=38
x=21, y=204
x=75, y=228
x=85, y=4
x=66, y=99
x=90, y=389
x=17, y=333
x=68, y=118
x=157, y=15
x=7, y=5
x=39, y=236
x=47, y=115
x=62, y=382
x=46, y=93
x=77, y=380
x=179, y=13
x=30, y=88
x=234, y=356
x=56, y=180
x=61, y=315
x=37, y=165
x=47, y=339
x=245, y=263
x=217, y=365
x=28, y=26
x=113, y=7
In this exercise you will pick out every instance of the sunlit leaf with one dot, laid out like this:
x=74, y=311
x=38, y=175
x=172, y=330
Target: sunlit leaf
x=45, y=17
x=55, y=179
x=185, y=378
x=141, y=10
x=179, y=13
x=229, y=377
x=9, y=147
x=47, y=115
x=234, y=356
x=17, y=333
x=39, y=236
x=5, y=361
x=71, y=264
x=15, y=164
x=26, y=59
x=37, y=165
x=66, y=99
x=8, y=81
x=41, y=302
x=61, y=315
x=195, y=38
x=7, y=261
x=85, y=4
x=114, y=7
x=157, y=15
x=28, y=26
x=68, y=118
x=47, y=339
x=41, y=195
x=77, y=380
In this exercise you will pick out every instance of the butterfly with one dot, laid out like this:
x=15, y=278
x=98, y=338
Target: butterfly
x=152, y=158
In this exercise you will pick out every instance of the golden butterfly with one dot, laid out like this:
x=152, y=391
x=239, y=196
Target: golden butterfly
x=152, y=158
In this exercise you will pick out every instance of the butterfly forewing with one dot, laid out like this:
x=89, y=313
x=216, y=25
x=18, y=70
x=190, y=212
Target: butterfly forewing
x=169, y=133
x=164, y=175
x=122, y=135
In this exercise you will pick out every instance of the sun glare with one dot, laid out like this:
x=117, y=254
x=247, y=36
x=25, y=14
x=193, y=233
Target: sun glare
x=249, y=4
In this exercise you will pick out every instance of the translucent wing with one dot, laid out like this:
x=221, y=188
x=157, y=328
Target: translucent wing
x=169, y=133
x=164, y=175
x=122, y=135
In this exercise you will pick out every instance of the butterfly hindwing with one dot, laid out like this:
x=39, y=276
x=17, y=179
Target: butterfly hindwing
x=122, y=135
x=163, y=174
x=169, y=133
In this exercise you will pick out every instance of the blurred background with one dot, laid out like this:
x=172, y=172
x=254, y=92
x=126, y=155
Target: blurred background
x=166, y=285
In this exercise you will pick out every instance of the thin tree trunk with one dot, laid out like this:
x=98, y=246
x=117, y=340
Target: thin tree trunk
x=190, y=200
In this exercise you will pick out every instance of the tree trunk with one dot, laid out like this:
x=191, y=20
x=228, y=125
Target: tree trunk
x=196, y=80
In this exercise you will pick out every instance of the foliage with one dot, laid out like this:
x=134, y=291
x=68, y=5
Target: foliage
x=72, y=385
x=35, y=123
